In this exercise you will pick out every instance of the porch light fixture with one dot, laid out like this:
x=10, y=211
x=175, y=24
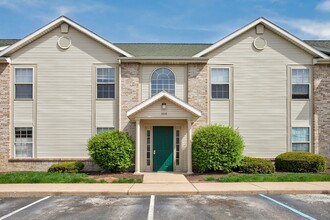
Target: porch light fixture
x=163, y=106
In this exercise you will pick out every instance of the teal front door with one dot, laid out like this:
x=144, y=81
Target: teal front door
x=163, y=148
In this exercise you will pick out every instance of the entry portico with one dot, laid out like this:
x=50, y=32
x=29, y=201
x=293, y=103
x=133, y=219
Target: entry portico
x=163, y=133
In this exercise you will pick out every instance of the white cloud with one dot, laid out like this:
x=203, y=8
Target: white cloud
x=310, y=28
x=324, y=6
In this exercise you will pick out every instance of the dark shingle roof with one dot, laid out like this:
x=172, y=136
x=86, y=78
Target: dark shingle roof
x=162, y=49
x=321, y=45
x=7, y=42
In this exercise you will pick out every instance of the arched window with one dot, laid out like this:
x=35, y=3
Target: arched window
x=162, y=79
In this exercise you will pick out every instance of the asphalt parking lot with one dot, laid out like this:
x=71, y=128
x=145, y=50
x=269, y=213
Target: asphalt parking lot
x=282, y=207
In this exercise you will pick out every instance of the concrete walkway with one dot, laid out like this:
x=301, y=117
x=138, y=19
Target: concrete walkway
x=21, y=190
x=164, y=178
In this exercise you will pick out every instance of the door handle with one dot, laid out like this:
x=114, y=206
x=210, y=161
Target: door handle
x=154, y=152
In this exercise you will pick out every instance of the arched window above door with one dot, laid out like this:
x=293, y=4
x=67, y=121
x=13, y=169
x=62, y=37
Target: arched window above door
x=162, y=79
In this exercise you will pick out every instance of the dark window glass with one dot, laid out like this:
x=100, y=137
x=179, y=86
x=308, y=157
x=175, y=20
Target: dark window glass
x=220, y=91
x=105, y=91
x=300, y=91
x=23, y=91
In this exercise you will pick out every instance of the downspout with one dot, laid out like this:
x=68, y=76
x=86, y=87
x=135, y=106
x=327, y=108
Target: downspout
x=119, y=94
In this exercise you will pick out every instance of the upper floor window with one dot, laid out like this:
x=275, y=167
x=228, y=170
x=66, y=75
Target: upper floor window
x=105, y=83
x=23, y=83
x=300, y=83
x=220, y=83
x=162, y=79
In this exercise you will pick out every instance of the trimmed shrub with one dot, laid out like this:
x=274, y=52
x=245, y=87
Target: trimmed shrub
x=255, y=165
x=66, y=167
x=111, y=150
x=300, y=162
x=216, y=148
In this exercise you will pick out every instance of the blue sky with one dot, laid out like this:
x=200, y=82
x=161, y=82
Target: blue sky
x=166, y=21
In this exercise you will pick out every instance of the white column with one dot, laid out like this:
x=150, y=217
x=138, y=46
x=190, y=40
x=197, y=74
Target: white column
x=137, y=147
x=189, y=146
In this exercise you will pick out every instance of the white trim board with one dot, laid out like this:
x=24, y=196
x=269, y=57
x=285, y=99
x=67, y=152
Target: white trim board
x=272, y=27
x=45, y=29
x=159, y=96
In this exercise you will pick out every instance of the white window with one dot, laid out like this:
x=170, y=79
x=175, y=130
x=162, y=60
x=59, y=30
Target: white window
x=220, y=83
x=162, y=79
x=103, y=129
x=23, y=83
x=23, y=142
x=148, y=147
x=300, y=139
x=105, y=83
x=300, y=83
x=177, y=147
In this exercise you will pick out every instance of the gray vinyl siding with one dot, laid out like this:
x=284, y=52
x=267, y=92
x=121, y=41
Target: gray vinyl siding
x=103, y=118
x=260, y=94
x=23, y=113
x=64, y=92
x=219, y=112
x=180, y=80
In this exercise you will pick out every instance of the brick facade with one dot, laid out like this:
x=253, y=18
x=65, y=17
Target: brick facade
x=197, y=91
x=322, y=110
x=130, y=87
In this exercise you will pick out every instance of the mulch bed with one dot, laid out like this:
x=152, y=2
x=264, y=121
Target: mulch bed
x=109, y=177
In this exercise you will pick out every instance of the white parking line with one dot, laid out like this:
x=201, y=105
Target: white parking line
x=25, y=207
x=151, y=208
x=288, y=207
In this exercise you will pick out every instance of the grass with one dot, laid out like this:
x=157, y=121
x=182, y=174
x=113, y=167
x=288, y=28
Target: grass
x=127, y=180
x=43, y=177
x=289, y=177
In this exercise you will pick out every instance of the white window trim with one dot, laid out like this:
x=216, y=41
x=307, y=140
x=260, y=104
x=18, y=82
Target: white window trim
x=149, y=167
x=309, y=84
x=115, y=83
x=176, y=166
x=229, y=82
x=150, y=77
x=33, y=82
x=14, y=141
x=302, y=142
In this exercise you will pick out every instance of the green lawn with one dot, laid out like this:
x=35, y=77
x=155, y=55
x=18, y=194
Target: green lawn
x=127, y=180
x=290, y=177
x=44, y=177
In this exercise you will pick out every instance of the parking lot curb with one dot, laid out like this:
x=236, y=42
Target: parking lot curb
x=39, y=190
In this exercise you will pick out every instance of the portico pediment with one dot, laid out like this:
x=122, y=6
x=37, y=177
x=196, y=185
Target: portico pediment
x=163, y=106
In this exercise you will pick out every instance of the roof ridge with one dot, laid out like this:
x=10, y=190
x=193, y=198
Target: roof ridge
x=170, y=43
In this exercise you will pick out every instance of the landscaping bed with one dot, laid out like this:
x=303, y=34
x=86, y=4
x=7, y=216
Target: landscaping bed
x=276, y=177
x=46, y=177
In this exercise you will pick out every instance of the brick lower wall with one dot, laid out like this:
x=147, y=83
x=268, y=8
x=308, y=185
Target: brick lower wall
x=8, y=164
x=130, y=79
x=197, y=92
x=322, y=110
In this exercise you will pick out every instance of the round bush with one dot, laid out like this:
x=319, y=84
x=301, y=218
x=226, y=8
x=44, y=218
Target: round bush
x=216, y=148
x=300, y=162
x=255, y=165
x=112, y=150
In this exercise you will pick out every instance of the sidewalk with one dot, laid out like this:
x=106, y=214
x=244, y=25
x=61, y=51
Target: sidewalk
x=24, y=190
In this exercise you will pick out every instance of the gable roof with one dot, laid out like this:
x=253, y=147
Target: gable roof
x=270, y=26
x=162, y=49
x=168, y=96
x=56, y=23
x=321, y=45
